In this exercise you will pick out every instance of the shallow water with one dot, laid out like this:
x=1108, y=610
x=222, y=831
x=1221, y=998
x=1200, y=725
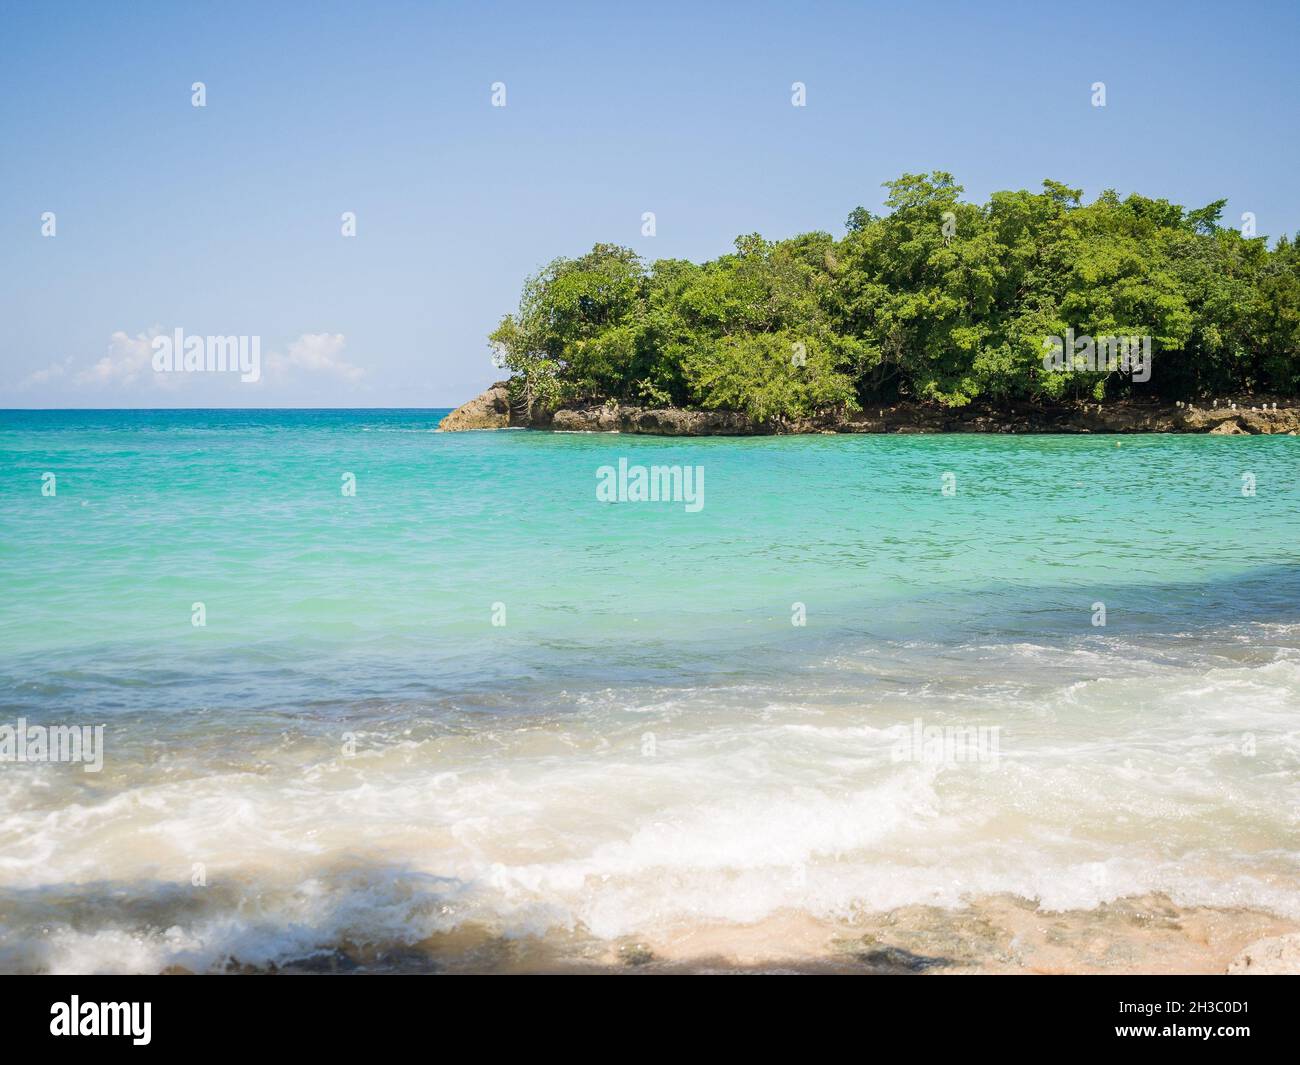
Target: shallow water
x=351, y=752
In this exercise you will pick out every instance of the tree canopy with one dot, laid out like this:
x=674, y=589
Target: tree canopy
x=937, y=300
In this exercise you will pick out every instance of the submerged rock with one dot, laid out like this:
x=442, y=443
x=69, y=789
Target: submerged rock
x=635, y=955
x=886, y=958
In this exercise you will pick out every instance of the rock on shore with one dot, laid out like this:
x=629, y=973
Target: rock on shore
x=661, y=422
x=492, y=410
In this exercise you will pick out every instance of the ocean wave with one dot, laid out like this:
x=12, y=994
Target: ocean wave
x=618, y=812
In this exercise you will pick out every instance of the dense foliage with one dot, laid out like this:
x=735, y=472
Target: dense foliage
x=936, y=300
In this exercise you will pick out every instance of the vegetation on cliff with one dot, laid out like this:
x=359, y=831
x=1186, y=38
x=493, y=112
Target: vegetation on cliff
x=937, y=300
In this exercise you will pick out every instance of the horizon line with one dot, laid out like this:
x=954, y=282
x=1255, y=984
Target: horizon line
x=159, y=410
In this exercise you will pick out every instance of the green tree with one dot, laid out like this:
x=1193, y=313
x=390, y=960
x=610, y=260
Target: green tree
x=938, y=299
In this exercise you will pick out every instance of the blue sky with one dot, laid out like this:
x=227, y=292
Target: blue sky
x=226, y=219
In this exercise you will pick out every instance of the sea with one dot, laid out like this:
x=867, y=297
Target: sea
x=356, y=695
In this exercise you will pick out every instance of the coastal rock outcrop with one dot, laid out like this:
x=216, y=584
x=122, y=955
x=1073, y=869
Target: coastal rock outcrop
x=491, y=410
x=1236, y=421
x=667, y=421
x=1228, y=427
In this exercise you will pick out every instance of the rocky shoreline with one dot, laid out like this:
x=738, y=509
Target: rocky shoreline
x=1246, y=416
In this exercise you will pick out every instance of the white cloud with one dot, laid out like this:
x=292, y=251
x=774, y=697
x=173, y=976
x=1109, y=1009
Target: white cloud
x=315, y=353
x=52, y=372
x=129, y=361
x=128, y=357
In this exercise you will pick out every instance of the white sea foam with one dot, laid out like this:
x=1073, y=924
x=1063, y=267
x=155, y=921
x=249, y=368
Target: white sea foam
x=1156, y=776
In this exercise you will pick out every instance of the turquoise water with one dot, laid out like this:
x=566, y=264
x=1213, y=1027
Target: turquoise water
x=499, y=774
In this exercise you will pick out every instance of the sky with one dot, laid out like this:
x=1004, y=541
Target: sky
x=227, y=219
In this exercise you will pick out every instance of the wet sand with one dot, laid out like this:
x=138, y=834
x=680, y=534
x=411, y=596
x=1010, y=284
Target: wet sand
x=994, y=934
